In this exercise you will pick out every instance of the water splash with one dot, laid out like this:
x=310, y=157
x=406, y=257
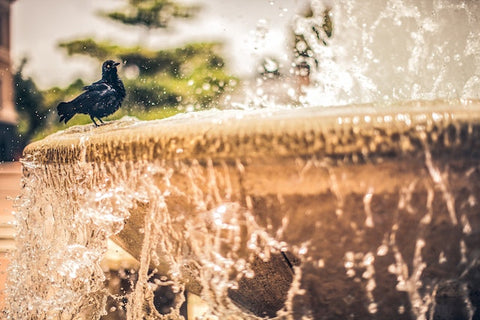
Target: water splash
x=392, y=50
x=61, y=236
x=61, y=243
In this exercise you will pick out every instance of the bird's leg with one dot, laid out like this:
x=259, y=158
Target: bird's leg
x=101, y=121
x=93, y=119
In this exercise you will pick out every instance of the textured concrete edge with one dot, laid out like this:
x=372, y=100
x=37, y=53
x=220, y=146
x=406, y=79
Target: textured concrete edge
x=361, y=131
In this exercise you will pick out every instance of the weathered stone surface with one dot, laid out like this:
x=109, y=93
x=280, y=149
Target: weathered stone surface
x=358, y=132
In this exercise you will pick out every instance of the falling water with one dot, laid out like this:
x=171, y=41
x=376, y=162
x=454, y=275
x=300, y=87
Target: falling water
x=65, y=216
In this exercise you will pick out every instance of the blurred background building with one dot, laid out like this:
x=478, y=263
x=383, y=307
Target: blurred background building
x=9, y=145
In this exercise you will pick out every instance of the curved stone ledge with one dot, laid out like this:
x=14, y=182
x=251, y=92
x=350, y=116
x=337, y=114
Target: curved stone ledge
x=355, y=132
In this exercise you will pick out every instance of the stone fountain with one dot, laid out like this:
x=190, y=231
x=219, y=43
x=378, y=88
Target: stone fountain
x=365, y=210
x=360, y=211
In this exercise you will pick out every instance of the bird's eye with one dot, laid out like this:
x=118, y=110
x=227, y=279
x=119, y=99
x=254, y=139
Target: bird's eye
x=108, y=66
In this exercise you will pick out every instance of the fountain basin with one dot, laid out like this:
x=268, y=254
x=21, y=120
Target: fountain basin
x=354, y=211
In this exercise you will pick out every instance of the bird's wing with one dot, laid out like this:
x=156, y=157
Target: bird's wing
x=94, y=96
x=97, y=96
x=100, y=85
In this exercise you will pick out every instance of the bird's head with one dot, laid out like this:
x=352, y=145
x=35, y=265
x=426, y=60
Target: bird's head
x=109, y=66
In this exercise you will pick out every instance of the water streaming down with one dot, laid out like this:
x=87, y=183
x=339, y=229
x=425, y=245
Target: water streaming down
x=362, y=211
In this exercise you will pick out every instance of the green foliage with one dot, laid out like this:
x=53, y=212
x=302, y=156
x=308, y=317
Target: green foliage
x=152, y=13
x=82, y=119
x=150, y=62
x=55, y=95
x=29, y=103
x=192, y=74
x=36, y=108
x=323, y=31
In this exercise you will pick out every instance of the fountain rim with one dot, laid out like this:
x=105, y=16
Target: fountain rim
x=371, y=130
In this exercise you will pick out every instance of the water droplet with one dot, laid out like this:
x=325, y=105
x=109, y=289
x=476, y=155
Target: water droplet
x=321, y=263
x=442, y=258
x=382, y=250
x=373, y=307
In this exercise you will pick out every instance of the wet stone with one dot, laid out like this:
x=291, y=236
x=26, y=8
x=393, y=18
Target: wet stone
x=311, y=217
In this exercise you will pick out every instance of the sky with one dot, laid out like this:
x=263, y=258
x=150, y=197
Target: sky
x=250, y=30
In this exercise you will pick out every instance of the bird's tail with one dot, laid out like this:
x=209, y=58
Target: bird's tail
x=66, y=110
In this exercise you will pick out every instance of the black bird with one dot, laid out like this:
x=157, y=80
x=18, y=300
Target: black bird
x=100, y=99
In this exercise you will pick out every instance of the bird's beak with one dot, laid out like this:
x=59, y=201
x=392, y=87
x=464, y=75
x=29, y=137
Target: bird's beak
x=116, y=64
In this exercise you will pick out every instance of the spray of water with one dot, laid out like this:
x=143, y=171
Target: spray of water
x=56, y=269
x=392, y=50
